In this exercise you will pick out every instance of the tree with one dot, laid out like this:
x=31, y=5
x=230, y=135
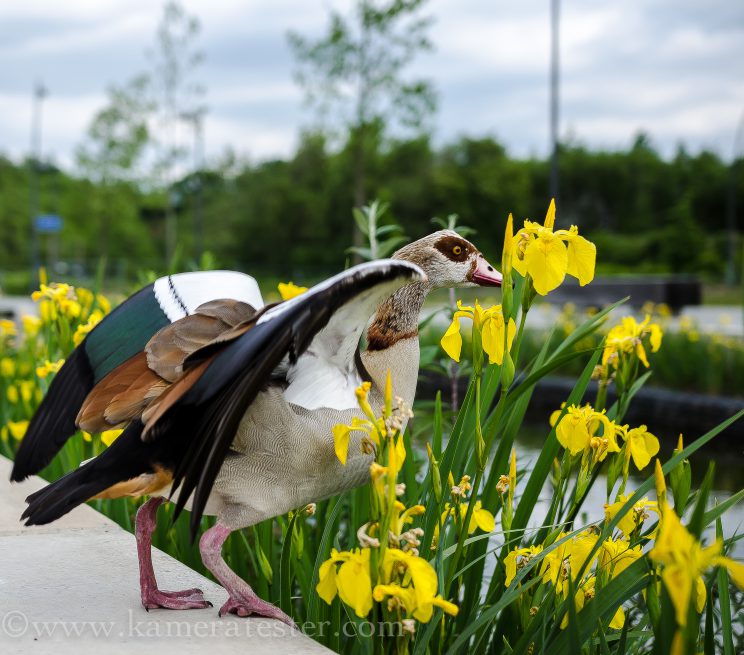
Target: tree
x=357, y=69
x=179, y=97
x=115, y=144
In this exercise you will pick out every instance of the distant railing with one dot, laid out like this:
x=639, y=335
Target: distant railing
x=674, y=291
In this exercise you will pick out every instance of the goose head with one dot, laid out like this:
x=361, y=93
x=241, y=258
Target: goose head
x=449, y=261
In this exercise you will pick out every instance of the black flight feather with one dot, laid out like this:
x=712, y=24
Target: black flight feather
x=126, y=458
x=193, y=437
x=119, y=336
x=204, y=422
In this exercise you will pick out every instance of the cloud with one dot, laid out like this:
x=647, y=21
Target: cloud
x=671, y=68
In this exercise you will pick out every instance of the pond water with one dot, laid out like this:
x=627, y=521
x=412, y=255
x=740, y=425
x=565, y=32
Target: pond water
x=729, y=478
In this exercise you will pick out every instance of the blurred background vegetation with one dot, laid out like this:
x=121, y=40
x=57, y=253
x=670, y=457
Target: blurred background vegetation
x=292, y=217
x=143, y=196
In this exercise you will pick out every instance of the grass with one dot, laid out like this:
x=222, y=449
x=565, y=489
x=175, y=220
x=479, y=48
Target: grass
x=560, y=586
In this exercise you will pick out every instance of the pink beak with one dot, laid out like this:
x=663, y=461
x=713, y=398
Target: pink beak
x=486, y=275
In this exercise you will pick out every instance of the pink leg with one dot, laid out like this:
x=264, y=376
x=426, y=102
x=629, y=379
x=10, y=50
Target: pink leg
x=242, y=600
x=152, y=597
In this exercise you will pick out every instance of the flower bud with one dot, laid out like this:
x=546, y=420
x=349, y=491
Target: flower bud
x=550, y=216
x=507, y=370
x=660, y=482
x=436, y=479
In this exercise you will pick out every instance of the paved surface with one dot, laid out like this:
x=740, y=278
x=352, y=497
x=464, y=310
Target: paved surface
x=706, y=319
x=72, y=587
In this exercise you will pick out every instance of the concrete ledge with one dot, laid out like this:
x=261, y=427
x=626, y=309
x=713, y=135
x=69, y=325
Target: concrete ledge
x=72, y=587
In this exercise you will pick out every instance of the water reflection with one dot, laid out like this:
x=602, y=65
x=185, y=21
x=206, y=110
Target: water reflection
x=729, y=478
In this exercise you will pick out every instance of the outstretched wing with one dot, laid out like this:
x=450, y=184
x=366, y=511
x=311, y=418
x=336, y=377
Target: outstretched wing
x=116, y=339
x=196, y=431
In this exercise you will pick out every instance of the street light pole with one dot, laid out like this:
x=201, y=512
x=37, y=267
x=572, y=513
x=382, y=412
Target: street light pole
x=730, y=276
x=554, y=81
x=196, y=118
x=40, y=92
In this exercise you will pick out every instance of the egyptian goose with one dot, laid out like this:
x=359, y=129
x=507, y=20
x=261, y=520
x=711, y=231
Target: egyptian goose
x=229, y=404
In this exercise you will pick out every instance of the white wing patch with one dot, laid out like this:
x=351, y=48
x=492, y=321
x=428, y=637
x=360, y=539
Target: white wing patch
x=325, y=374
x=316, y=383
x=180, y=294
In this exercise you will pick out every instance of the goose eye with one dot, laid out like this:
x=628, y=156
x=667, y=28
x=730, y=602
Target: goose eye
x=457, y=250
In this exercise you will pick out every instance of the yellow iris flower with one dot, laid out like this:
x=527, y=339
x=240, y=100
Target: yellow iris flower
x=548, y=255
x=616, y=555
x=406, y=576
x=518, y=559
x=49, y=367
x=490, y=323
x=109, y=436
x=289, y=290
x=351, y=580
x=7, y=328
x=84, y=328
x=16, y=429
x=480, y=518
x=584, y=594
x=56, y=300
x=578, y=428
x=568, y=558
x=402, y=516
x=7, y=367
x=342, y=436
x=627, y=338
x=373, y=427
x=410, y=600
x=685, y=560
x=31, y=325
x=641, y=444
x=634, y=518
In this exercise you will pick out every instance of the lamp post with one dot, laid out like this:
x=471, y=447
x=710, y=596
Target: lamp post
x=196, y=118
x=730, y=276
x=40, y=92
x=554, y=81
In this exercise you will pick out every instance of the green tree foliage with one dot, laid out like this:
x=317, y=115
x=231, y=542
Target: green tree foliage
x=354, y=76
x=111, y=158
x=291, y=218
x=179, y=98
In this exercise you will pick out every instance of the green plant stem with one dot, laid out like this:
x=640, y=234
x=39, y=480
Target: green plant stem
x=520, y=335
x=463, y=533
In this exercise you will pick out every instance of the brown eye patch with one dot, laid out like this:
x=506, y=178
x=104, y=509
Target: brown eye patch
x=453, y=248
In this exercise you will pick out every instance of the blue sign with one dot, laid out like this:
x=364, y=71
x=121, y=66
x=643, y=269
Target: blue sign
x=48, y=223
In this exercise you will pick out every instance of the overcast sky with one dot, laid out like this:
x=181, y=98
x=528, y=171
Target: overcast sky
x=673, y=68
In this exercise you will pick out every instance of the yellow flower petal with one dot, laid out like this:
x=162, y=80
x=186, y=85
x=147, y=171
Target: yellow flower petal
x=452, y=341
x=656, y=335
x=735, y=569
x=17, y=429
x=341, y=435
x=643, y=446
x=618, y=620
x=109, y=436
x=483, y=519
x=679, y=585
x=449, y=608
x=546, y=259
x=550, y=215
x=355, y=585
x=701, y=594
x=289, y=290
x=582, y=256
x=326, y=586
x=572, y=431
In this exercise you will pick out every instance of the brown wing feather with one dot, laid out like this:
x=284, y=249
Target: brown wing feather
x=172, y=395
x=130, y=403
x=169, y=348
x=92, y=414
x=147, y=384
